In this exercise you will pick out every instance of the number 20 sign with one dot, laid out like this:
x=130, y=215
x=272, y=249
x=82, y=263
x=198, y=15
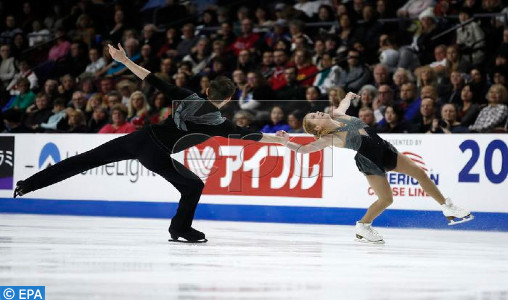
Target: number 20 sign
x=465, y=174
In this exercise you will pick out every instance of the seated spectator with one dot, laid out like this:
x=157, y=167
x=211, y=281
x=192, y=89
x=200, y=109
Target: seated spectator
x=314, y=101
x=61, y=47
x=499, y=75
x=367, y=116
x=150, y=37
x=479, y=85
x=200, y=56
x=96, y=62
x=247, y=40
x=278, y=80
x=10, y=30
x=394, y=122
x=25, y=98
x=450, y=123
x=295, y=121
x=168, y=49
x=138, y=110
x=254, y=92
x=115, y=34
x=267, y=65
x=126, y=88
x=67, y=87
x=37, y=113
x=495, y=113
x=356, y=74
x=240, y=81
x=455, y=61
x=410, y=102
x=98, y=120
x=424, y=123
x=76, y=121
x=12, y=122
x=470, y=38
x=78, y=101
x=245, y=62
x=425, y=76
x=58, y=113
x=7, y=65
x=160, y=108
x=401, y=77
x=469, y=110
x=306, y=70
x=204, y=84
x=451, y=93
x=381, y=75
x=50, y=88
x=24, y=72
x=92, y=103
x=276, y=121
x=384, y=99
x=388, y=52
x=243, y=119
x=329, y=75
x=119, y=122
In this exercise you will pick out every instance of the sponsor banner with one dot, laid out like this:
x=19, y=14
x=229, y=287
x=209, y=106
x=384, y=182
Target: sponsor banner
x=471, y=169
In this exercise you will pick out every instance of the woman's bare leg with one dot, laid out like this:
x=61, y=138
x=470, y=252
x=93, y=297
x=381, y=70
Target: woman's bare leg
x=383, y=191
x=407, y=166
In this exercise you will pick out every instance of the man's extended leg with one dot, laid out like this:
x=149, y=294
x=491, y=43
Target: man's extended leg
x=124, y=147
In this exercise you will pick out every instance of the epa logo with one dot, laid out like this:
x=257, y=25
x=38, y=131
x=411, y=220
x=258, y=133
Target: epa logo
x=50, y=155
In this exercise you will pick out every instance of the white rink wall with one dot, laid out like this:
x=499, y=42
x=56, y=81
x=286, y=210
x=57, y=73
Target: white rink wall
x=249, y=181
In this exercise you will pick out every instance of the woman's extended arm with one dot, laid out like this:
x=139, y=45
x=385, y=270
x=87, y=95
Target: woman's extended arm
x=344, y=104
x=120, y=56
x=317, y=145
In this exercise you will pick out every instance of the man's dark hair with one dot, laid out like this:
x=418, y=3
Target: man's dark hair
x=59, y=101
x=220, y=89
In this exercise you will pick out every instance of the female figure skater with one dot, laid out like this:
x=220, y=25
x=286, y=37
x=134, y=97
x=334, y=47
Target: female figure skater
x=194, y=121
x=374, y=158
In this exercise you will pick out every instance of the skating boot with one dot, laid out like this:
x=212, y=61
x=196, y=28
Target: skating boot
x=455, y=214
x=190, y=235
x=366, y=234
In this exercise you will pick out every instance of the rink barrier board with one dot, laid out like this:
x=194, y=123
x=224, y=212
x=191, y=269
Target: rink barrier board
x=486, y=221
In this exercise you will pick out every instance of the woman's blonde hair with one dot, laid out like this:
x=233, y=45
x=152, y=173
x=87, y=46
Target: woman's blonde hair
x=132, y=110
x=309, y=128
x=88, y=103
x=502, y=90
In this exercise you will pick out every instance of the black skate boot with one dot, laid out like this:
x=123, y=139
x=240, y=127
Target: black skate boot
x=190, y=235
x=20, y=189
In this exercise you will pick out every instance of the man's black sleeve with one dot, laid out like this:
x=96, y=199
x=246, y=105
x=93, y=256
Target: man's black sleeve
x=169, y=90
x=230, y=130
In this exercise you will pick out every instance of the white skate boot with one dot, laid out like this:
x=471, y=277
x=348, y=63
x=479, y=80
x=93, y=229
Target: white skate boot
x=455, y=214
x=366, y=234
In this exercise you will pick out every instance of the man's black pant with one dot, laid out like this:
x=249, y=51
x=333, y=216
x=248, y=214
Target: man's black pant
x=138, y=145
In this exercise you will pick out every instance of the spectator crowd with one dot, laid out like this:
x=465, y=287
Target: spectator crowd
x=419, y=66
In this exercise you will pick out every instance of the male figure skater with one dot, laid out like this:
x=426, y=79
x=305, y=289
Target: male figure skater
x=194, y=121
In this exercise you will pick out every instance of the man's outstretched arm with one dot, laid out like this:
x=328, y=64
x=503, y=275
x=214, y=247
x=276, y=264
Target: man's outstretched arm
x=120, y=56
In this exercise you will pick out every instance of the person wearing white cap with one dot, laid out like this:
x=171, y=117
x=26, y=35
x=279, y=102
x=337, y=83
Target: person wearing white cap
x=413, y=8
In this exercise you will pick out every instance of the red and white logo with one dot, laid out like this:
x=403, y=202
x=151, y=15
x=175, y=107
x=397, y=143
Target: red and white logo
x=238, y=167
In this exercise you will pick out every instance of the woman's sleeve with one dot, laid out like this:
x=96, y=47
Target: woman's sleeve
x=169, y=90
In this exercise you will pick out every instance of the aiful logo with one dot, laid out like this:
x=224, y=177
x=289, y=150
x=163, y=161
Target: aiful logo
x=406, y=186
x=236, y=167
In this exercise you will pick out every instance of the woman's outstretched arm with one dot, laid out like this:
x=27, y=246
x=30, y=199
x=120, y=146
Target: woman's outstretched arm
x=120, y=56
x=317, y=145
x=344, y=104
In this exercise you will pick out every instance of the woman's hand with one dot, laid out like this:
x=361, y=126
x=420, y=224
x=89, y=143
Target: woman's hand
x=284, y=135
x=117, y=54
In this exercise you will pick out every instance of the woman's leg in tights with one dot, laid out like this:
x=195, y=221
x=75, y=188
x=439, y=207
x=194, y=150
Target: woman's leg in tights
x=122, y=148
x=383, y=191
x=407, y=166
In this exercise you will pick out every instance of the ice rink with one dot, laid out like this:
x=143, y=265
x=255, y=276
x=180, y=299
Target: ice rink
x=115, y=258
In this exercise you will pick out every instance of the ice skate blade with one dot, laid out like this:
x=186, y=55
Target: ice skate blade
x=467, y=218
x=361, y=239
x=183, y=241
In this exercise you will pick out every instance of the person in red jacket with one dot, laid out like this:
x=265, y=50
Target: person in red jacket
x=119, y=123
x=248, y=38
x=306, y=70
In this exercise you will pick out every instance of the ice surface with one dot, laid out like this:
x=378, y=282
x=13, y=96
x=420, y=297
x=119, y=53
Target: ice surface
x=115, y=258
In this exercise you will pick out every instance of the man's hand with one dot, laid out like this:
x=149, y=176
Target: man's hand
x=117, y=54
